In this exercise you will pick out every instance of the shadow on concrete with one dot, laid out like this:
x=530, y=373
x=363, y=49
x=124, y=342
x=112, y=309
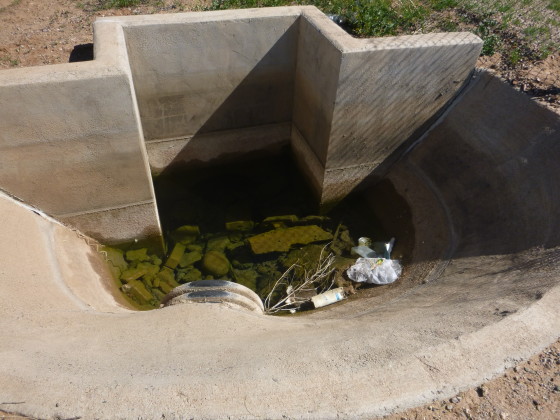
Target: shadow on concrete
x=492, y=161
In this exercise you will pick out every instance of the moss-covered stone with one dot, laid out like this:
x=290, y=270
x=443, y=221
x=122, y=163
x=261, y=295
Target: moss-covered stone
x=115, y=260
x=186, y=234
x=218, y=243
x=132, y=274
x=215, y=263
x=175, y=256
x=137, y=255
x=288, y=218
x=188, y=275
x=166, y=275
x=190, y=258
x=247, y=278
x=138, y=292
x=281, y=240
x=240, y=226
x=158, y=294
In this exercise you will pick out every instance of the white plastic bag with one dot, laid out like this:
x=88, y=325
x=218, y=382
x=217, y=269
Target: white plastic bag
x=375, y=270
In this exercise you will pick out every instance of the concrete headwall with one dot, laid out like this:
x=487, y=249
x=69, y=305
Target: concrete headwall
x=79, y=140
x=204, y=86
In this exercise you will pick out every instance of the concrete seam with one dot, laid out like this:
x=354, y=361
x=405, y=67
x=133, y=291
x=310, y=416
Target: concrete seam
x=104, y=209
x=220, y=132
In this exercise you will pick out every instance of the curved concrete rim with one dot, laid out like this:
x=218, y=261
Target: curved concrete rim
x=482, y=182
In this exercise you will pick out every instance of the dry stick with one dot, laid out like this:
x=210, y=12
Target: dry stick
x=323, y=271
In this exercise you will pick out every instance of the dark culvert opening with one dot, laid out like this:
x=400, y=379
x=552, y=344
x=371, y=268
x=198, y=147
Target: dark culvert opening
x=255, y=221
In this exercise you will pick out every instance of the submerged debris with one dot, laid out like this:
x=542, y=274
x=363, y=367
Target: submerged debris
x=290, y=262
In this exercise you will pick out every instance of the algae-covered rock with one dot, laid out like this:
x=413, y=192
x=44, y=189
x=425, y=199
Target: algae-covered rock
x=190, y=258
x=137, y=255
x=218, y=243
x=158, y=294
x=155, y=260
x=166, y=275
x=165, y=280
x=138, y=292
x=215, y=263
x=132, y=274
x=115, y=260
x=165, y=287
x=247, y=278
x=315, y=220
x=186, y=234
x=149, y=268
x=175, y=256
x=281, y=240
x=288, y=218
x=240, y=226
x=194, y=247
x=188, y=275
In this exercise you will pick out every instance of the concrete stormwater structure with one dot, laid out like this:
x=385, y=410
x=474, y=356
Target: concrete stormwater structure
x=475, y=160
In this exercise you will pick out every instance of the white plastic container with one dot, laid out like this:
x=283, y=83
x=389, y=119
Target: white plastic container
x=327, y=298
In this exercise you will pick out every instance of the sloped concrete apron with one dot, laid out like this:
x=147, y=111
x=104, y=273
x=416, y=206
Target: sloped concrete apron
x=483, y=184
x=486, y=242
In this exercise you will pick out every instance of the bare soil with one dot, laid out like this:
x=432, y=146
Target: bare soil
x=40, y=32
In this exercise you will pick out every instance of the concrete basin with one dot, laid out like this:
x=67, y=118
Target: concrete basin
x=475, y=160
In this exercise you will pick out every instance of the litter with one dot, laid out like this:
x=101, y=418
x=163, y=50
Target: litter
x=327, y=298
x=380, y=249
x=375, y=270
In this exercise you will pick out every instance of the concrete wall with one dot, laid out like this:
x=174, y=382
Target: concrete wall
x=357, y=100
x=70, y=145
x=197, y=77
x=77, y=138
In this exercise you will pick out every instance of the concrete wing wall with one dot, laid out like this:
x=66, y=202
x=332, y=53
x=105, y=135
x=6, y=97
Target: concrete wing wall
x=71, y=146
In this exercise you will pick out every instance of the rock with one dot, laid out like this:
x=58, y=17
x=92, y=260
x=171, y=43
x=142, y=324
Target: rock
x=281, y=240
x=175, y=256
x=115, y=260
x=132, y=274
x=165, y=287
x=455, y=400
x=194, y=247
x=315, y=220
x=215, y=263
x=156, y=260
x=449, y=407
x=190, y=258
x=247, y=278
x=240, y=226
x=158, y=294
x=186, y=234
x=138, y=291
x=166, y=275
x=188, y=275
x=137, y=255
x=218, y=243
x=165, y=280
x=280, y=221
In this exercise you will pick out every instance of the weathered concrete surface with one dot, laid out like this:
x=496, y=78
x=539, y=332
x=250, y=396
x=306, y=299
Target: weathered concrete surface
x=482, y=184
x=201, y=86
x=71, y=145
x=357, y=100
x=204, y=73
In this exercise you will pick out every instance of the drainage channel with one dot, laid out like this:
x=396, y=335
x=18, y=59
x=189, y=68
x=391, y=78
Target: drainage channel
x=257, y=224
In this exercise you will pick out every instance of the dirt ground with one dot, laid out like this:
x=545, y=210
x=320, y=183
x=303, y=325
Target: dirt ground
x=40, y=32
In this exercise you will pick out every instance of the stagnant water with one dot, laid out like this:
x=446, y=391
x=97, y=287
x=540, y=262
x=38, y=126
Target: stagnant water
x=251, y=222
